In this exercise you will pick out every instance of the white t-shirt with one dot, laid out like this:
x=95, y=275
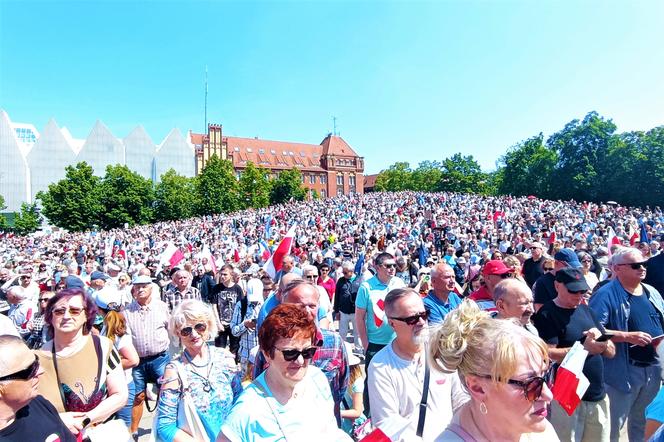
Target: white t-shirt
x=395, y=392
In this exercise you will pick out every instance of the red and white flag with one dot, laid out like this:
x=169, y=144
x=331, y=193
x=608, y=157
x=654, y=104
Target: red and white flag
x=275, y=263
x=612, y=239
x=206, y=254
x=571, y=384
x=171, y=255
x=633, y=235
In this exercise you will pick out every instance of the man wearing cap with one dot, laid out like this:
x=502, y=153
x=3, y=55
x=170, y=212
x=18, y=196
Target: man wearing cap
x=441, y=299
x=560, y=323
x=544, y=290
x=97, y=281
x=147, y=317
x=532, y=267
x=493, y=272
x=634, y=313
x=25, y=416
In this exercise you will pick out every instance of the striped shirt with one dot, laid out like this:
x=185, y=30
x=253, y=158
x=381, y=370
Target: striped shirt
x=149, y=326
x=173, y=297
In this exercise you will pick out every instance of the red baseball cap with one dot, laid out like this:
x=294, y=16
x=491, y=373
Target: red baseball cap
x=495, y=267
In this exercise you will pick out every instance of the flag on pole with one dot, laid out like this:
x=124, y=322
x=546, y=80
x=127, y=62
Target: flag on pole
x=275, y=262
x=264, y=249
x=171, y=255
x=571, y=384
x=644, y=233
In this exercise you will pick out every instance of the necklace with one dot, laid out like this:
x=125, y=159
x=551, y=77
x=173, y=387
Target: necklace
x=207, y=387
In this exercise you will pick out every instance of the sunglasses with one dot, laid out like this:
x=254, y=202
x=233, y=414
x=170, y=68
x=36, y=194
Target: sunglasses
x=25, y=374
x=200, y=329
x=311, y=276
x=532, y=387
x=636, y=265
x=292, y=354
x=389, y=266
x=548, y=269
x=73, y=311
x=43, y=299
x=412, y=320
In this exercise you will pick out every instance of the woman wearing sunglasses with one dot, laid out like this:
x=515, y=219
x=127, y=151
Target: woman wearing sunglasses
x=291, y=400
x=207, y=373
x=504, y=368
x=83, y=374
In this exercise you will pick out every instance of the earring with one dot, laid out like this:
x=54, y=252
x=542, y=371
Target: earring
x=483, y=409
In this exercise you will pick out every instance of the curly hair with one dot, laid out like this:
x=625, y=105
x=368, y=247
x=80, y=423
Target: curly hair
x=285, y=321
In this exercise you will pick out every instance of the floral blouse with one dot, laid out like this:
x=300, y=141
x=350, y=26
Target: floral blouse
x=213, y=395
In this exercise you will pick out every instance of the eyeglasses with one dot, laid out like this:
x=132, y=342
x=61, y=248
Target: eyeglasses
x=414, y=319
x=325, y=270
x=548, y=269
x=311, y=276
x=43, y=299
x=635, y=265
x=200, y=329
x=292, y=354
x=389, y=266
x=73, y=311
x=27, y=373
x=532, y=387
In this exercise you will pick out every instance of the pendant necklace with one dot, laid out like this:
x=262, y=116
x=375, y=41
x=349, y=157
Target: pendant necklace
x=207, y=387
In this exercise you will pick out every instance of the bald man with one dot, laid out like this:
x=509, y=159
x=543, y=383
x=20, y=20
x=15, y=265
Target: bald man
x=441, y=299
x=514, y=299
x=24, y=415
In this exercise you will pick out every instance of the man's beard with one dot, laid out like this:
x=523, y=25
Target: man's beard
x=422, y=337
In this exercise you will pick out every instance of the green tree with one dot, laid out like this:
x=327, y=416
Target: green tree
x=528, y=168
x=27, y=220
x=254, y=187
x=217, y=188
x=288, y=185
x=427, y=176
x=463, y=174
x=125, y=197
x=175, y=197
x=397, y=177
x=3, y=220
x=73, y=202
x=582, y=148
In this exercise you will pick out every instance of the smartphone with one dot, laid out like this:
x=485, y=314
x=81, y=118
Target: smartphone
x=605, y=337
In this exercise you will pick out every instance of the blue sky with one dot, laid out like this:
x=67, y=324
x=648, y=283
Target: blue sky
x=407, y=81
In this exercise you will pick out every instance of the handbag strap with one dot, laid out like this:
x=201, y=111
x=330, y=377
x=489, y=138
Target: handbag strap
x=98, y=351
x=423, y=402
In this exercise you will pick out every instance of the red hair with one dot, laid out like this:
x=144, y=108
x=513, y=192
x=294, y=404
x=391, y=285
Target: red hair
x=285, y=321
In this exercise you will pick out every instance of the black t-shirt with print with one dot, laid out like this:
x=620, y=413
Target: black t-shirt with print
x=37, y=422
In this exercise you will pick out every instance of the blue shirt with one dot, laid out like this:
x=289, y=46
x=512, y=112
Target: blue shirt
x=371, y=297
x=437, y=309
x=611, y=306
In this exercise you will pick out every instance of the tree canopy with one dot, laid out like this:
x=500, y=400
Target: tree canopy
x=288, y=185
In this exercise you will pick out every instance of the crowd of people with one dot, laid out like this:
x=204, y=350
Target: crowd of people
x=423, y=316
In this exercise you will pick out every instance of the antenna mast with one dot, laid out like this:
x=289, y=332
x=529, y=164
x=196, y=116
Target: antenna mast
x=334, y=125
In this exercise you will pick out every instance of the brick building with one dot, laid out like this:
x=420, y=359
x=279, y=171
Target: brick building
x=331, y=167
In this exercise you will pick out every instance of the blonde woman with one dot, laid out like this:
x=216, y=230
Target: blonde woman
x=213, y=379
x=504, y=368
x=513, y=263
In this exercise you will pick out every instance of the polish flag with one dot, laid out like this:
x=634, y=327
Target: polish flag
x=274, y=264
x=633, y=236
x=571, y=384
x=612, y=239
x=264, y=249
x=206, y=254
x=171, y=255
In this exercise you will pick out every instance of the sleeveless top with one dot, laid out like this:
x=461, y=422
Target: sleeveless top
x=82, y=375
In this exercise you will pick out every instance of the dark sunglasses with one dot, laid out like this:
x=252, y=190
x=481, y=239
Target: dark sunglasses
x=25, y=374
x=636, y=265
x=200, y=329
x=73, y=311
x=412, y=320
x=43, y=299
x=532, y=387
x=548, y=269
x=389, y=266
x=292, y=354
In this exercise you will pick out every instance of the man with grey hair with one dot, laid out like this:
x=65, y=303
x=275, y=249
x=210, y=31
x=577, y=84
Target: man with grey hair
x=441, y=299
x=344, y=304
x=21, y=310
x=180, y=290
x=287, y=266
x=634, y=313
x=514, y=299
x=398, y=373
x=331, y=355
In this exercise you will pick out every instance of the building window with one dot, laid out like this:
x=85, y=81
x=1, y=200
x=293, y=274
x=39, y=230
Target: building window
x=302, y=154
x=249, y=149
x=285, y=152
x=273, y=152
x=323, y=179
x=340, y=180
x=291, y=153
x=312, y=179
x=351, y=181
x=261, y=150
x=323, y=193
x=237, y=149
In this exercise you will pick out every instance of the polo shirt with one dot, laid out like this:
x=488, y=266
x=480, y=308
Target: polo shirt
x=371, y=297
x=437, y=308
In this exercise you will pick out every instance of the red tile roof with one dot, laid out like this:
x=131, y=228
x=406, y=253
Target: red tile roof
x=268, y=153
x=370, y=181
x=334, y=145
